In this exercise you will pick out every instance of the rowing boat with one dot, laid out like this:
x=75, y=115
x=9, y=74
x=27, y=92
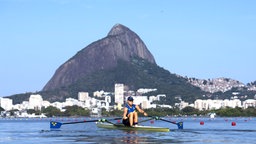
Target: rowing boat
x=106, y=123
x=122, y=127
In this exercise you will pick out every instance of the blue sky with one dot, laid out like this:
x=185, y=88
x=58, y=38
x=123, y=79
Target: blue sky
x=204, y=39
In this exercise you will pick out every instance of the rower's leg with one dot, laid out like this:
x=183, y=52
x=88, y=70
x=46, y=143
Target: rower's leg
x=135, y=114
x=131, y=117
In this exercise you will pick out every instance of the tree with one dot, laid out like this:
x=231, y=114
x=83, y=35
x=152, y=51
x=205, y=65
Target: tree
x=51, y=111
x=1, y=109
x=189, y=110
x=76, y=111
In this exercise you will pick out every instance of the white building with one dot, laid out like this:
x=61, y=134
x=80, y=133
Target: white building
x=83, y=96
x=152, y=98
x=6, y=103
x=98, y=93
x=119, y=94
x=183, y=104
x=107, y=99
x=46, y=104
x=58, y=105
x=143, y=100
x=216, y=104
x=35, y=102
x=249, y=103
x=199, y=104
x=236, y=103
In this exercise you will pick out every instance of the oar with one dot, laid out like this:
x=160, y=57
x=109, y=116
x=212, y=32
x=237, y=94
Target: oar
x=179, y=124
x=145, y=120
x=56, y=125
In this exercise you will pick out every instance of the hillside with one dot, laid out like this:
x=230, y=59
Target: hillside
x=122, y=57
x=120, y=44
x=137, y=74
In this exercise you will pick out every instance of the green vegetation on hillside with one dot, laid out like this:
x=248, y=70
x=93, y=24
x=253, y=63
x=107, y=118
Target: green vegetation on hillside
x=136, y=74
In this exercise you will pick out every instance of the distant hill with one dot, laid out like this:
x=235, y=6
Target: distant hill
x=122, y=57
x=216, y=84
x=136, y=74
x=120, y=44
x=225, y=88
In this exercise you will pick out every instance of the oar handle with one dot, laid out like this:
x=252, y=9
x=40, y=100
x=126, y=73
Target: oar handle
x=155, y=117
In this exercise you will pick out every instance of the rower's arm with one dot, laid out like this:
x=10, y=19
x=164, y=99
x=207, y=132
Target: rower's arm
x=125, y=113
x=141, y=111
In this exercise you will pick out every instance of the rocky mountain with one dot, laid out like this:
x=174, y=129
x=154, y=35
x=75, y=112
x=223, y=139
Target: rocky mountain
x=120, y=44
x=122, y=57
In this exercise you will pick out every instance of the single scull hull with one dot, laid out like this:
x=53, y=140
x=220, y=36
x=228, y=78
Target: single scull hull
x=122, y=127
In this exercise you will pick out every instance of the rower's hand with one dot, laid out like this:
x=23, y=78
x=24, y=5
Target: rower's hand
x=125, y=118
x=145, y=114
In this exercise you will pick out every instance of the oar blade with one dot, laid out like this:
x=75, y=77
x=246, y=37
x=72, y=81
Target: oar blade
x=55, y=125
x=180, y=125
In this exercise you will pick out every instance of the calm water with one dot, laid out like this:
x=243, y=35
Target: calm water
x=218, y=130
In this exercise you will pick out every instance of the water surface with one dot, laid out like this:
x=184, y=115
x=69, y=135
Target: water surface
x=196, y=130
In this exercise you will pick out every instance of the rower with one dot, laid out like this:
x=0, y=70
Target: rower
x=130, y=115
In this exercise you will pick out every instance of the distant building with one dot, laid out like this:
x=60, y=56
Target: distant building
x=6, y=103
x=35, y=102
x=249, y=103
x=69, y=102
x=107, y=99
x=216, y=104
x=152, y=98
x=83, y=96
x=183, y=104
x=98, y=93
x=119, y=94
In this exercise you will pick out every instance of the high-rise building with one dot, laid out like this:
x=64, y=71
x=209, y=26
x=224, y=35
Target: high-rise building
x=35, y=102
x=119, y=94
x=6, y=103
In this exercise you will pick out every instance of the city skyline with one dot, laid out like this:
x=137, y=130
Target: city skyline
x=201, y=39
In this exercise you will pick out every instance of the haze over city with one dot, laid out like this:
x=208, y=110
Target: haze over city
x=201, y=39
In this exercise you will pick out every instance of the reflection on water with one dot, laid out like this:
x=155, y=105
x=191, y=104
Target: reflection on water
x=131, y=137
x=213, y=131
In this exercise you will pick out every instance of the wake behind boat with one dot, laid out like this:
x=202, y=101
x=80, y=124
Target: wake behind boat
x=140, y=128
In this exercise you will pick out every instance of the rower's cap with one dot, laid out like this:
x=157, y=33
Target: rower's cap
x=130, y=98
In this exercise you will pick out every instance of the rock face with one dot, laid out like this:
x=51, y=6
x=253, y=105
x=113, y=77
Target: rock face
x=120, y=43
